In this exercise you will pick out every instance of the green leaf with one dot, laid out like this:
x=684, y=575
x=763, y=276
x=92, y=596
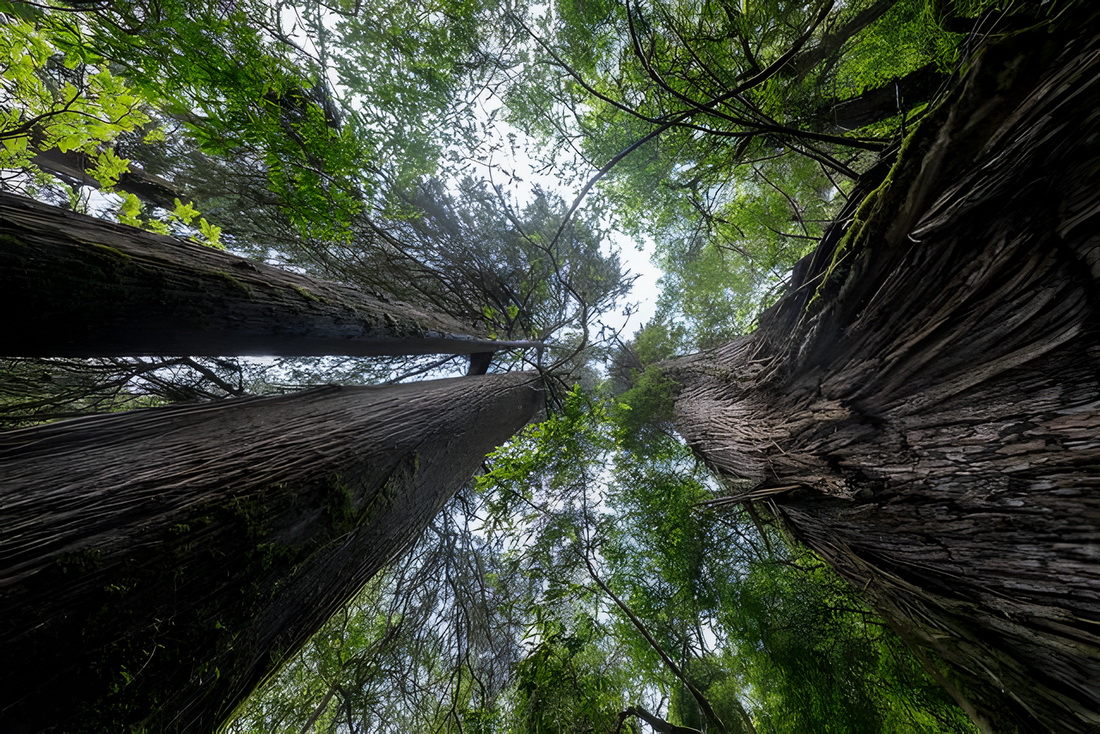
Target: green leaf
x=211, y=234
x=184, y=212
x=128, y=212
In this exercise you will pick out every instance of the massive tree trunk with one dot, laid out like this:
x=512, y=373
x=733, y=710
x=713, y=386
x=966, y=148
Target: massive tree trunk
x=923, y=408
x=156, y=565
x=74, y=286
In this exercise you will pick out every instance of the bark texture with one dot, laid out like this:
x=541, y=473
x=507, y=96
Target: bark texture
x=81, y=287
x=156, y=565
x=923, y=408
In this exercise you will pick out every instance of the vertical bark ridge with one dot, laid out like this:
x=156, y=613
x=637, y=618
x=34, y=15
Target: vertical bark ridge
x=925, y=403
x=162, y=562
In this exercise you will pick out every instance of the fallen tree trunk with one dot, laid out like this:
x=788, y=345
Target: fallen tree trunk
x=156, y=565
x=923, y=408
x=75, y=286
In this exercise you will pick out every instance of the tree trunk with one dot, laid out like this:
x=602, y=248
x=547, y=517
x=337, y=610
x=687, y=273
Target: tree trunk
x=829, y=45
x=923, y=408
x=72, y=166
x=656, y=723
x=881, y=103
x=74, y=286
x=156, y=565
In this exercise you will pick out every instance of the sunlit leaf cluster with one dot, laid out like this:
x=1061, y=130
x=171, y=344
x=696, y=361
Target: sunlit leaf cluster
x=53, y=95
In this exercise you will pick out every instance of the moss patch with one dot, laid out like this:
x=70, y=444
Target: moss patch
x=236, y=283
x=306, y=294
x=107, y=249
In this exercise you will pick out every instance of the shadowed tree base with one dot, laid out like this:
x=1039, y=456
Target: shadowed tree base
x=923, y=409
x=156, y=565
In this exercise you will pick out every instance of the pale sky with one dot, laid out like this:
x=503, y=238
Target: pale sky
x=513, y=158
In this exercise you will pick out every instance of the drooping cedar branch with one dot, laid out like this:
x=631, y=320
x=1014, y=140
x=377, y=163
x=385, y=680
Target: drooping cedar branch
x=700, y=700
x=82, y=287
x=156, y=565
x=923, y=408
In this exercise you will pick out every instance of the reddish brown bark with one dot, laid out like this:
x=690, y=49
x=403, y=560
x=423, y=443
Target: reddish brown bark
x=156, y=565
x=923, y=409
x=74, y=286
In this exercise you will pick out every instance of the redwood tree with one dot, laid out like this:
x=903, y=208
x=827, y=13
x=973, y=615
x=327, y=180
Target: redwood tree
x=156, y=565
x=922, y=407
x=75, y=286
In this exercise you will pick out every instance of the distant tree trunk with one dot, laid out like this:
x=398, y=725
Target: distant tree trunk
x=891, y=99
x=830, y=44
x=74, y=286
x=655, y=723
x=73, y=167
x=923, y=408
x=156, y=565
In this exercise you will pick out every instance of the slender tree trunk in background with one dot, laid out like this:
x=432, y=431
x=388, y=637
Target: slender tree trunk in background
x=830, y=44
x=923, y=408
x=881, y=103
x=74, y=166
x=655, y=723
x=75, y=286
x=156, y=565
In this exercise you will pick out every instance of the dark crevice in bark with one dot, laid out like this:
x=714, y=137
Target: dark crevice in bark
x=156, y=565
x=924, y=405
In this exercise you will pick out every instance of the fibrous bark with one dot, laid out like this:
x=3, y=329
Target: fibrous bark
x=156, y=565
x=923, y=408
x=75, y=286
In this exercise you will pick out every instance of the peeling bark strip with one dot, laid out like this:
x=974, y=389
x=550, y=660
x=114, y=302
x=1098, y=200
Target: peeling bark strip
x=81, y=287
x=157, y=564
x=923, y=409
